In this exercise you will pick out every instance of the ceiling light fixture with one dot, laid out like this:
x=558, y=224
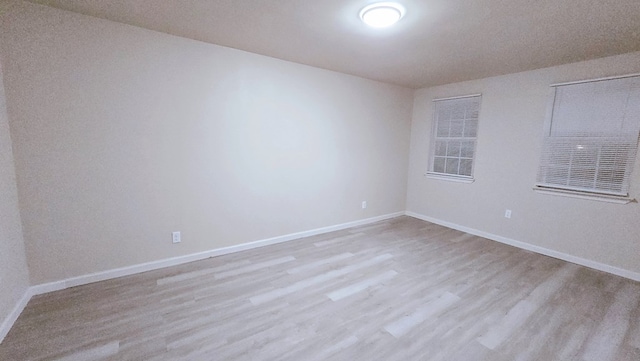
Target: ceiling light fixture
x=382, y=15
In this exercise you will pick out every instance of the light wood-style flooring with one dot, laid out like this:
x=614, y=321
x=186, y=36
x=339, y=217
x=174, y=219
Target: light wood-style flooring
x=401, y=289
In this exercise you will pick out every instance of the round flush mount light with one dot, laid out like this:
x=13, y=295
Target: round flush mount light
x=381, y=15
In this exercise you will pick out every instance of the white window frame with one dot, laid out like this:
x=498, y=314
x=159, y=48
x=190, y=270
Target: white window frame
x=599, y=142
x=431, y=173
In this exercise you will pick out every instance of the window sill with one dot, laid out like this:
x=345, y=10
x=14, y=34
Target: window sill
x=584, y=195
x=451, y=178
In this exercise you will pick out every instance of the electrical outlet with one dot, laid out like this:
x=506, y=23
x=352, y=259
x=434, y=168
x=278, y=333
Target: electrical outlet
x=507, y=213
x=176, y=237
x=364, y=204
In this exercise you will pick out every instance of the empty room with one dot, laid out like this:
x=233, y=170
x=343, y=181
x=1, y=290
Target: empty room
x=320, y=180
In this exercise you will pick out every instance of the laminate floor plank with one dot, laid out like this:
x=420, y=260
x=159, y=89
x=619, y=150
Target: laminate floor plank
x=400, y=289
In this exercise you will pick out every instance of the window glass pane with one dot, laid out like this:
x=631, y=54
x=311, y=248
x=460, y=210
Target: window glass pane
x=470, y=108
x=452, y=166
x=470, y=128
x=458, y=112
x=473, y=110
x=443, y=110
x=465, y=167
x=453, y=148
x=466, y=149
x=438, y=164
x=441, y=148
x=456, y=128
x=443, y=128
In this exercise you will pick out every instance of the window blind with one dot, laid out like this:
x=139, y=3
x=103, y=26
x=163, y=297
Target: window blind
x=591, y=140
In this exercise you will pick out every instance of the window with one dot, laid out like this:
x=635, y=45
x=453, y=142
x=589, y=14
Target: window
x=591, y=137
x=453, y=138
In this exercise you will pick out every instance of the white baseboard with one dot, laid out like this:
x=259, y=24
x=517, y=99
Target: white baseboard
x=8, y=322
x=530, y=247
x=150, y=266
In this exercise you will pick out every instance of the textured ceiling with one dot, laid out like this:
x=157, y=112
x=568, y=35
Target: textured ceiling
x=438, y=41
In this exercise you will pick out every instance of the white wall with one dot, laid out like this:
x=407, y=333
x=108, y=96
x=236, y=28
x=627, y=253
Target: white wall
x=510, y=132
x=14, y=276
x=122, y=135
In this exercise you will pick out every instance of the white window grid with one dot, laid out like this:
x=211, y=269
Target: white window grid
x=454, y=136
